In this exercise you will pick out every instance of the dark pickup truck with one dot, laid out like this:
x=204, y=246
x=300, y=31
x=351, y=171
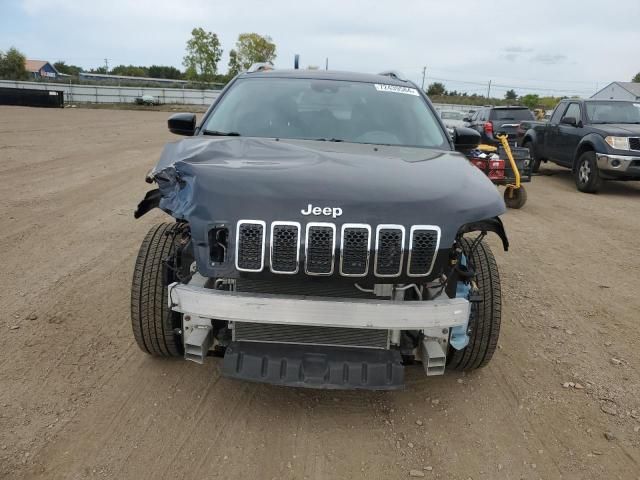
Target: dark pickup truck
x=597, y=139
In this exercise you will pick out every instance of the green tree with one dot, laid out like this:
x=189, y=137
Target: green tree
x=636, y=79
x=203, y=55
x=12, y=65
x=510, y=95
x=161, y=71
x=130, y=71
x=62, y=67
x=530, y=100
x=234, y=64
x=253, y=48
x=436, y=89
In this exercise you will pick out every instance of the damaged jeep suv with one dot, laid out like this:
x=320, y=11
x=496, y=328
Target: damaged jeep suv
x=326, y=234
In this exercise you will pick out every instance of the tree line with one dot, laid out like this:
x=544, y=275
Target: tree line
x=438, y=92
x=200, y=62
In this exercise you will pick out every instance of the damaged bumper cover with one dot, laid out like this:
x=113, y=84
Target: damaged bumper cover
x=317, y=311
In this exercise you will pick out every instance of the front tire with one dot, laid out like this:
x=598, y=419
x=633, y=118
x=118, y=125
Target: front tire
x=535, y=162
x=587, y=175
x=154, y=323
x=515, y=197
x=484, y=321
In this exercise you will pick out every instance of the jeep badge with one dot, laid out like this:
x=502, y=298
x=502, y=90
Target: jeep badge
x=335, y=212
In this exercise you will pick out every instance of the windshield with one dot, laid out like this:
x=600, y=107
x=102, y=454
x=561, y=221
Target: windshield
x=451, y=115
x=613, y=112
x=511, y=114
x=331, y=110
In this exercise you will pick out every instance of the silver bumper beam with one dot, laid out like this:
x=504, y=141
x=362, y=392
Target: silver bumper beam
x=317, y=311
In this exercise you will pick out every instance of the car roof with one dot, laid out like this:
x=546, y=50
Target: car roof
x=328, y=75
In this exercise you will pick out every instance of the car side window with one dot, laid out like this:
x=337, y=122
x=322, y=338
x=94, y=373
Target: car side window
x=573, y=111
x=557, y=113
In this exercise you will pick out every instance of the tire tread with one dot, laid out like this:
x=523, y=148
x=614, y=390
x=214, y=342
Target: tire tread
x=151, y=317
x=485, y=315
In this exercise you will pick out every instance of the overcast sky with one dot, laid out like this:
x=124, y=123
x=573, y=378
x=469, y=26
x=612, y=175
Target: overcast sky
x=547, y=46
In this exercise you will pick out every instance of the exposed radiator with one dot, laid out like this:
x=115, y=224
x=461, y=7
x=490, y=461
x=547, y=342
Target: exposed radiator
x=305, y=335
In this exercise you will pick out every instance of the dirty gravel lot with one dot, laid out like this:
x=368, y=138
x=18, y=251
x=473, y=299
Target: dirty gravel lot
x=79, y=400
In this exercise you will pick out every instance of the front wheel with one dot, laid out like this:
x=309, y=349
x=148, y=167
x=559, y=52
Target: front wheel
x=484, y=321
x=154, y=324
x=515, y=197
x=586, y=174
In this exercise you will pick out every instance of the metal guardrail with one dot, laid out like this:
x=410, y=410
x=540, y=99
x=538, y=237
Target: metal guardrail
x=74, y=93
x=114, y=94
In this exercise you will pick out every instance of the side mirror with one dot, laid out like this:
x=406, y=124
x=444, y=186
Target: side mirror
x=569, y=121
x=465, y=138
x=182, y=124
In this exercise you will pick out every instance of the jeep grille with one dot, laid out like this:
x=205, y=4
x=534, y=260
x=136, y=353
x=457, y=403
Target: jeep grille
x=354, y=243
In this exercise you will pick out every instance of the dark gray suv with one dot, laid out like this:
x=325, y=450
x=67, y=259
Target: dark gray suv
x=489, y=121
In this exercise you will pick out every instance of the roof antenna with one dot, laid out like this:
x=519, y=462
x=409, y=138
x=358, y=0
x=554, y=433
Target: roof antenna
x=296, y=61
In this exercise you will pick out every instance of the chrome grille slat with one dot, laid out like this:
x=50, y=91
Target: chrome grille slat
x=355, y=245
x=285, y=247
x=250, y=242
x=424, y=241
x=320, y=246
x=389, y=250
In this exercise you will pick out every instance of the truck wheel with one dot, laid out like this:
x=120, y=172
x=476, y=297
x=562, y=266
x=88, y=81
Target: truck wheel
x=154, y=323
x=484, y=321
x=535, y=162
x=515, y=197
x=586, y=174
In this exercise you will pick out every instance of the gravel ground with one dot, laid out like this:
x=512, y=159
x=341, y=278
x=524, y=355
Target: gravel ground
x=561, y=398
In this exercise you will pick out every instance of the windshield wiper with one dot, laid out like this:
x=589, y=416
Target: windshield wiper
x=216, y=133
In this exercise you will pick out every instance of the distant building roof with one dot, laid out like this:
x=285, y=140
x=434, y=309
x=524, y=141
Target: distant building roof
x=631, y=87
x=34, y=65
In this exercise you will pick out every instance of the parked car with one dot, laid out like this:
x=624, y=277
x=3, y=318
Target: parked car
x=452, y=119
x=489, y=121
x=320, y=236
x=597, y=139
x=147, y=100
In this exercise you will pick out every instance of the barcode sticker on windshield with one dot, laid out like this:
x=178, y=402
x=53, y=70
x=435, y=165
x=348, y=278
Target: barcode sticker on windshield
x=396, y=89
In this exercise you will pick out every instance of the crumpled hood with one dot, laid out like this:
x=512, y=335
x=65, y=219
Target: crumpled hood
x=207, y=180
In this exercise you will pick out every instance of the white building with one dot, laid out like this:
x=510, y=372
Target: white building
x=619, y=91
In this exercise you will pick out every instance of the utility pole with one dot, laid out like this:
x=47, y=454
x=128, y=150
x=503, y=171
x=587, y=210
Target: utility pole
x=106, y=65
x=326, y=64
x=489, y=90
x=424, y=72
